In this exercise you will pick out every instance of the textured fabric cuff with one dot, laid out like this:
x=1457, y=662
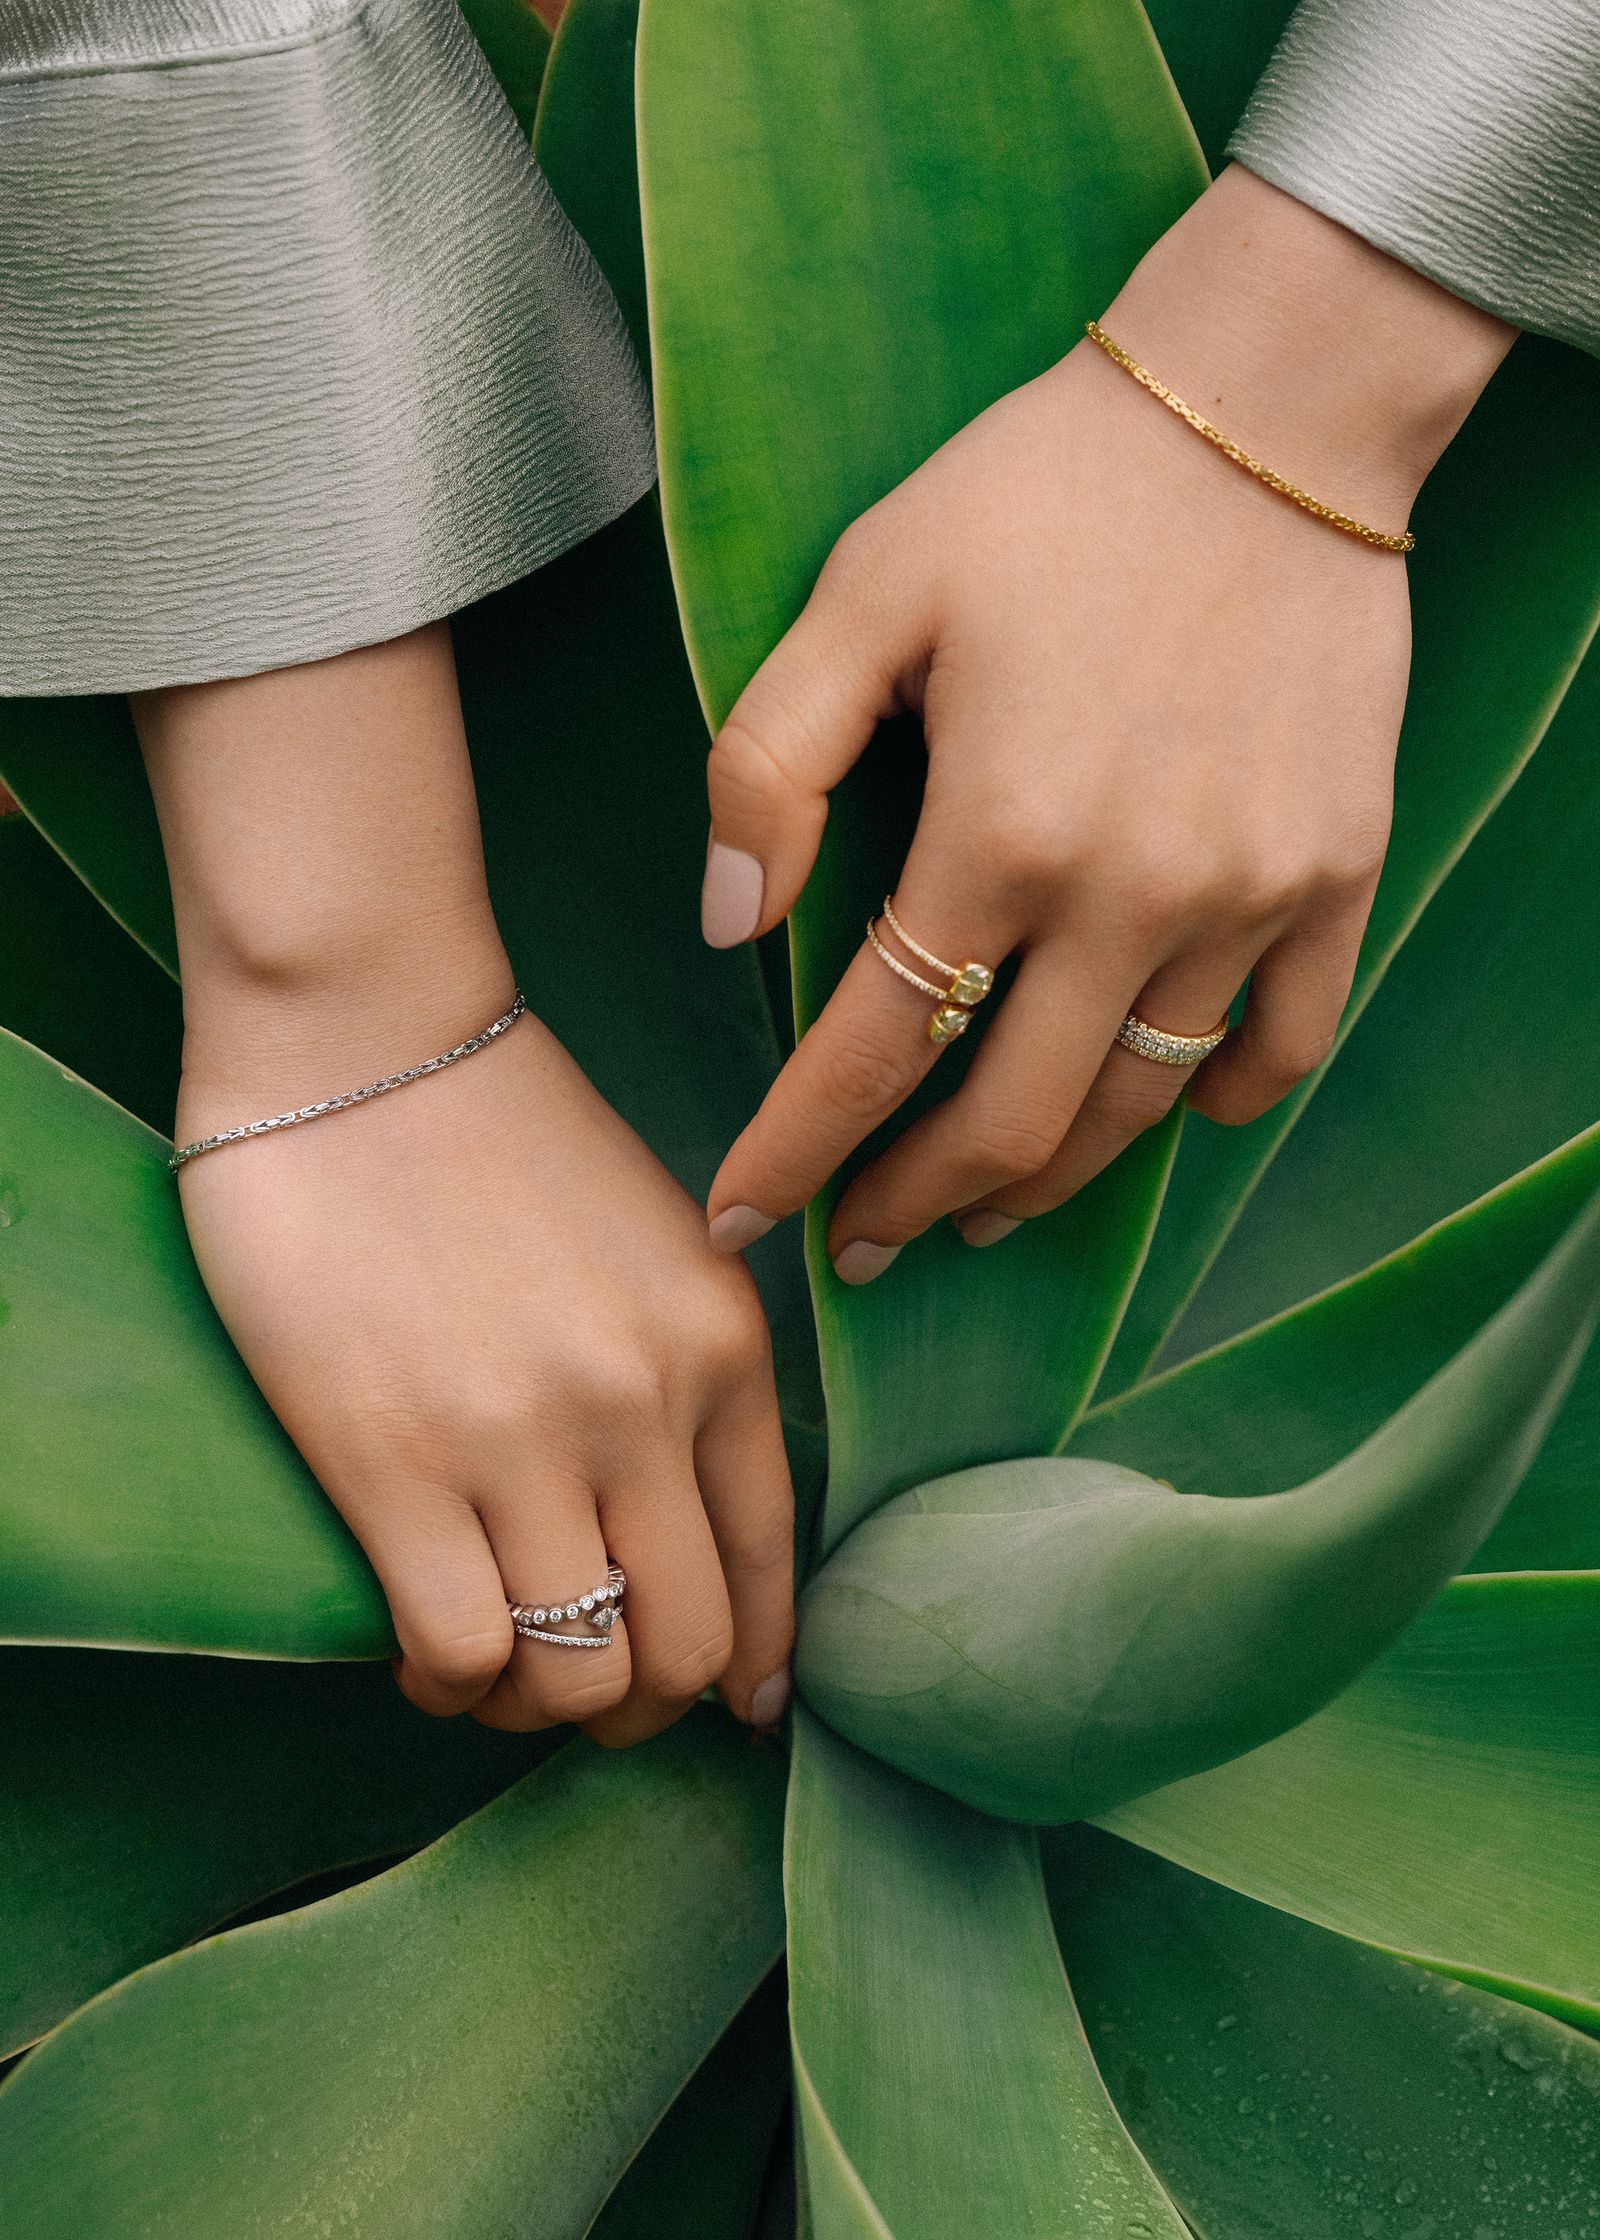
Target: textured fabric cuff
x=1460, y=136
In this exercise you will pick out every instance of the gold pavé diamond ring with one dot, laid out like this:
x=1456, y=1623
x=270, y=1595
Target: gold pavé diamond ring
x=965, y=984
x=1146, y=1041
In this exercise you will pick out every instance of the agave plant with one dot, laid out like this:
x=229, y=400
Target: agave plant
x=1193, y=1810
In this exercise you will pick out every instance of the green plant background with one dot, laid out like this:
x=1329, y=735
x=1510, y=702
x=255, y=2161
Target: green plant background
x=1193, y=1812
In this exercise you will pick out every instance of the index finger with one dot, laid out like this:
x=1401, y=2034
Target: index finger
x=854, y=1067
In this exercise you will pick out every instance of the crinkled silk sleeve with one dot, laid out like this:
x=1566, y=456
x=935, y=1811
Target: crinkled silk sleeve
x=1461, y=136
x=297, y=350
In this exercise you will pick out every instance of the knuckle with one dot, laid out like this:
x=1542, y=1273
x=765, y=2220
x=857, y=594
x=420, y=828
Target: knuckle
x=861, y=1079
x=1151, y=891
x=684, y=1669
x=743, y=776
x=761, y=1546
x=1349, y=873
x=1267, y=888
x=627, y=1386
x=1024, y=858
x=1125, y=1105
x=1011, y=1145
x=571, y=1696
x=855, y=551
x=462, y=1663
x=1233, y=890
x=733, y=1330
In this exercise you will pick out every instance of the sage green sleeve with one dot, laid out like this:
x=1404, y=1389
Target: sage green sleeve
x=1460, y=136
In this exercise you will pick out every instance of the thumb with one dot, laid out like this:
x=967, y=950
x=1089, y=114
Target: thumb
x=789, y=738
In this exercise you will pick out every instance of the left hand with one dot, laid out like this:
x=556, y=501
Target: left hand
x=1161, y=706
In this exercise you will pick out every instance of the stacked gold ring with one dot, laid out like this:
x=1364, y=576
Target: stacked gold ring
x=965, y=986
x=1146, y=1041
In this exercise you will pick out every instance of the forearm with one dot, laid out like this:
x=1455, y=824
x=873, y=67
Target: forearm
x=1344, y=370
x=322, y=842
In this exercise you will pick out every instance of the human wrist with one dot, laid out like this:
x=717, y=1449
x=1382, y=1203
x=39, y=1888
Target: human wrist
x=301, y=1022
x=1345, y=370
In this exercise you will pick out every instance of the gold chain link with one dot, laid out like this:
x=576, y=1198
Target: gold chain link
x=1405, y=542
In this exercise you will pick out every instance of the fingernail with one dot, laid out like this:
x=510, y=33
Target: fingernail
x=730, y=900
x=985, y=1226
x=860, y=1262
x=768, y=1702
x=736, y=1226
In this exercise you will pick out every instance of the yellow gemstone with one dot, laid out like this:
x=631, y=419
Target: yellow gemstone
x=971, y=984
x=947, y=1022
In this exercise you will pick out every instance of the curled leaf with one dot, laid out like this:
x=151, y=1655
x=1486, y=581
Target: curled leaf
x=1045, y=1639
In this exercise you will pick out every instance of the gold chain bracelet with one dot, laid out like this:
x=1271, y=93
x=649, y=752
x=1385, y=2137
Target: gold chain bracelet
x=1405, y=542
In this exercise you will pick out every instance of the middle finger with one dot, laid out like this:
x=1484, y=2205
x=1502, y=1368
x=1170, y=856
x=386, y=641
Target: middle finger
x=853, y=1068
x=1038, y=1059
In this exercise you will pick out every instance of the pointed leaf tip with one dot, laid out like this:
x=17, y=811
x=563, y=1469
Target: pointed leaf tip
x=1045, y=1639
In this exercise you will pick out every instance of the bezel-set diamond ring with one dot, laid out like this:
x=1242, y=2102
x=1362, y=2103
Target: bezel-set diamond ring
x=597, y=1607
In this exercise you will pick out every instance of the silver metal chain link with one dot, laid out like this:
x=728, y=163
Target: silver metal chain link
x=188, y=1151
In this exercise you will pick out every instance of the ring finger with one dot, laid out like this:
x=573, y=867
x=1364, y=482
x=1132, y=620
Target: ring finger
x=549, y=1554
x=1299, y=986
x=1038, y=1059
x=1130, y=1092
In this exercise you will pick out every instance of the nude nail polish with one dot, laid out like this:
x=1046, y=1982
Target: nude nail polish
x=736, y=1226
x=985, y=1226
x=730, y=899
x=861, y=1262
x=768, y=1703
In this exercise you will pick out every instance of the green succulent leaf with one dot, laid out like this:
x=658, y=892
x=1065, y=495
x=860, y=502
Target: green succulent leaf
x=1505, y=589
x=144, y=1799
x=1444, y=1807
x=702, y=2172
x=74, y=766
x=590, y=107
x=1214, y=73
x=517, y=47
x=941, y=2069
x=1282, y=2080
x=72, y=981
x=831, y=198
x=1286, y=1400
x=1047, y=1639
x=150, y=1498
x=779, y=2215
x=503, y=2017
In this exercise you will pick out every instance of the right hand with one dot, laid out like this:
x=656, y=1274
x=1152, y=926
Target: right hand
x=493, y=1325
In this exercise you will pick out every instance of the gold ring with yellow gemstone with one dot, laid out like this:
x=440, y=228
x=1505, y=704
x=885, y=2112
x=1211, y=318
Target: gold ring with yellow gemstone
x=965, y=984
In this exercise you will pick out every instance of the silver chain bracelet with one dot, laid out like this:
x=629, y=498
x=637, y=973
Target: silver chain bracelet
x=188, y=1151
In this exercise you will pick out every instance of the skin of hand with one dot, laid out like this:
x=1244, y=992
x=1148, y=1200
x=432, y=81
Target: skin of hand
x=1161, y=705
x=486, y=1315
